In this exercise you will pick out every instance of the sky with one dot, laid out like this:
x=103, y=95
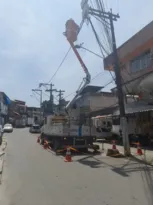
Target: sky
x=32, y=44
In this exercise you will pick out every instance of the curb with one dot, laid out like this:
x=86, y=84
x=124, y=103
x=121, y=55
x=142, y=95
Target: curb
x=2, y=154
x=141, y=159
x=1, y=165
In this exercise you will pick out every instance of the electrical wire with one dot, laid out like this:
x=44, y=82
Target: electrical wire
x=106, y=31
x=111, y=81
x=49, y=96
x=102, y=25
x=97, y=38
x=108, y=83
x=34, y=95
x=102, y=21
x=80, y=27
x=60, y=65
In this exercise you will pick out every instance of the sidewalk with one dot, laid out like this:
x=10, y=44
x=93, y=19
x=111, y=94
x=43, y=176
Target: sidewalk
x=147, y=156
x=2, y=153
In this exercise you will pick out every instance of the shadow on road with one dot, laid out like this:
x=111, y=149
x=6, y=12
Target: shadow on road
x=90, y=161
x=125, y=169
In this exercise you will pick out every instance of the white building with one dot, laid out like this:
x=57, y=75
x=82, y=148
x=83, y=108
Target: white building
x=92, y=99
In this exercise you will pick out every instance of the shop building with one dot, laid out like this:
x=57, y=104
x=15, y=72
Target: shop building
x=136, y=63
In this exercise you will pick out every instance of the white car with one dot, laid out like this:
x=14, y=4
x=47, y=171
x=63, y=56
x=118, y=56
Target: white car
x=35, y=129
x=8, y=128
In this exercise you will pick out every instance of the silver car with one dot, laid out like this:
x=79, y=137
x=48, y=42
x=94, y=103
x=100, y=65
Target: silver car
x=35, y=129
x=8, y=128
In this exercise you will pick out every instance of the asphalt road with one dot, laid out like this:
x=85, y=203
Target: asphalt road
x=34, y=176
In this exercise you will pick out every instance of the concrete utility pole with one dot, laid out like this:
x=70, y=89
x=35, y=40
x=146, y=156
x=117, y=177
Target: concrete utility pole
x=51, y=90
x=39, y=92
x=60, y=97
x=112, y=17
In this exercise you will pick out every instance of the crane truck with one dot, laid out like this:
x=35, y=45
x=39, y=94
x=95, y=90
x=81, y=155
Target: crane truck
x=70, y=128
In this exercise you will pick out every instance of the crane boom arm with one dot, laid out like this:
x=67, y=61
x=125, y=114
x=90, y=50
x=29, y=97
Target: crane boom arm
x=88, y=76
x=72, y=30
x=87, y=79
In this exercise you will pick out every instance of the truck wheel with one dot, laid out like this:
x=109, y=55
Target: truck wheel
x=56, y=144
x=42, y=137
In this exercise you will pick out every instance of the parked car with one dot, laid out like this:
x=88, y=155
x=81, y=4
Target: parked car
x=8, y=128
x=35, y=129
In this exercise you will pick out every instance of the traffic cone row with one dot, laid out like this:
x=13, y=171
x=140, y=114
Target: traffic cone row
x=67, y=158
x=68, y=155
x=139, y=150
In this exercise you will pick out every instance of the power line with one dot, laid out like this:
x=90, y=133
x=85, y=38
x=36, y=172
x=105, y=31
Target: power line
x=60, y=65
x=49, y=96
x=34, y=95
x=111, y=81
x=108, y=83
x=80, y=27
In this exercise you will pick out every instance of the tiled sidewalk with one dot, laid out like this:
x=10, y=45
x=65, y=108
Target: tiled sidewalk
x=147, y=156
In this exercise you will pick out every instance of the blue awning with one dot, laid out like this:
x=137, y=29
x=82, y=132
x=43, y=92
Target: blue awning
x=7, y=100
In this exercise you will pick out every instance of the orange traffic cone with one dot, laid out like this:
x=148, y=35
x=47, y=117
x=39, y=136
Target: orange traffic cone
x=68, y=155
x=38, y=140
x=45, y=145
x=139, y=150
x=114, y=145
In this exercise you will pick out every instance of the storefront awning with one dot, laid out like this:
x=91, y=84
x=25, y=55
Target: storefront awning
x=135, y=107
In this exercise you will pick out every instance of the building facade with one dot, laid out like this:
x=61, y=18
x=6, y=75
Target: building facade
x=89, y=102
x=95, y=101
x=4, y=104
x=34, y=115
x=136, y=63
x=18, y=113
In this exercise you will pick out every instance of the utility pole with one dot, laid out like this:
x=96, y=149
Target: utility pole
x=60, y=97
x=39, y=92
x=112, y=17
x=51, y=90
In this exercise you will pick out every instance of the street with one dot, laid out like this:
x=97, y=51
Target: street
x=34, y=176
